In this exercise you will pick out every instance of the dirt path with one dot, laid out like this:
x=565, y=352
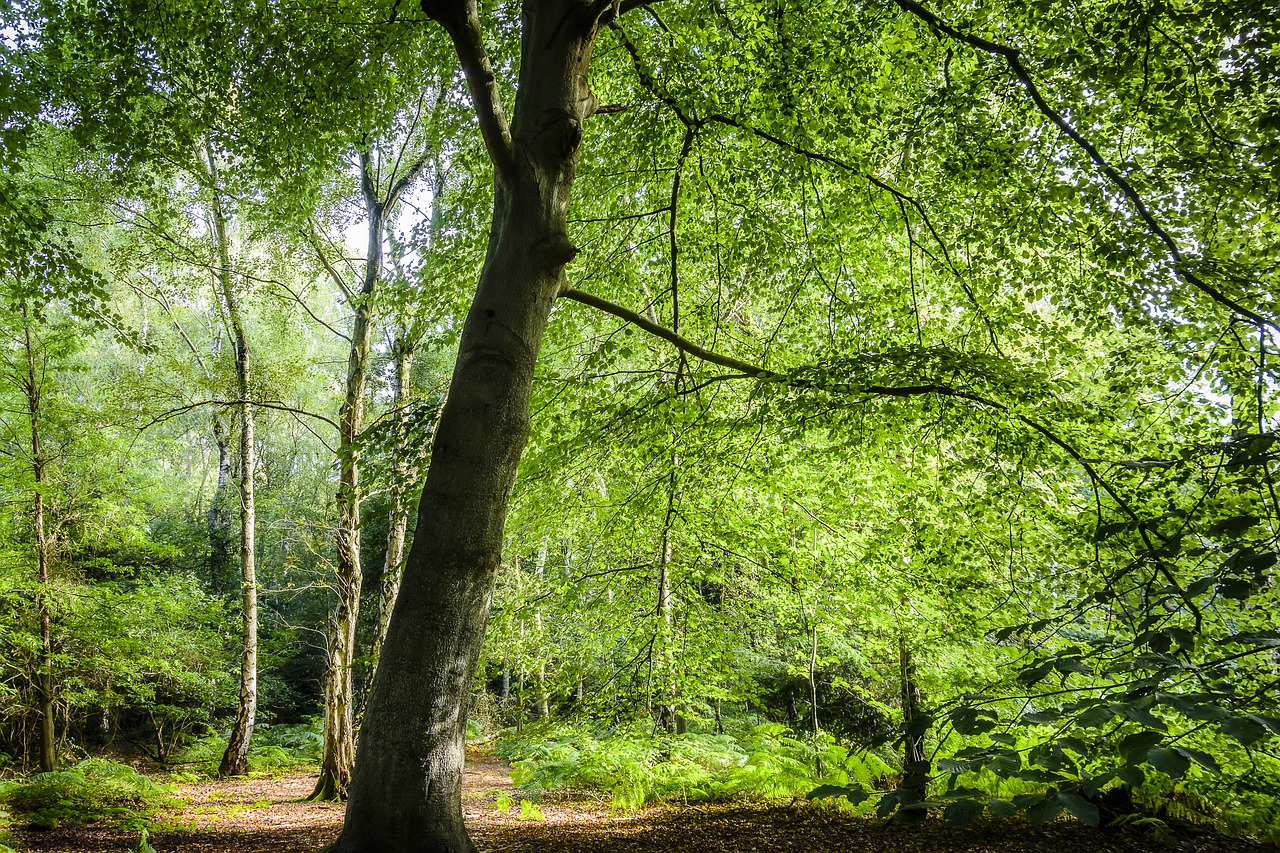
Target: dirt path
x=270, y=816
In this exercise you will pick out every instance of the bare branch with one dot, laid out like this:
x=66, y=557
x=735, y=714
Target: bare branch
x=931, y=388
x=337, y=279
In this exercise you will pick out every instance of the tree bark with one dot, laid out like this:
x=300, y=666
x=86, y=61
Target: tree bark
x=915, y=761
x=217, y=524
x=405, y=346
x=235, y=761
x=398, y=513
x=406, y=791
x=44, y=548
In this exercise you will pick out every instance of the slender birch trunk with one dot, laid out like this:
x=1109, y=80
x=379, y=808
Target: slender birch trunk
x=339, y=693
x=235, y=761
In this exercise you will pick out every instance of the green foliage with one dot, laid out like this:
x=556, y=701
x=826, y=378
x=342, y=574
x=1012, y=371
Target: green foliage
x=639, y=768
x=94, y=791
x=275, y=750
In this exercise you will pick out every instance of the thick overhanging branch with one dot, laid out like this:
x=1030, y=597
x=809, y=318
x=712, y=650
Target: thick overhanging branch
x=1013, y=58
x=793, y=379
x=461, y=20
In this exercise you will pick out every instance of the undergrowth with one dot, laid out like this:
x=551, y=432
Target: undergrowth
x=273, y=751
x=94, y=791
x=637, y=768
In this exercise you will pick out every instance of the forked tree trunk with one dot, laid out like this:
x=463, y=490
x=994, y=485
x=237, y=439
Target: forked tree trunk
x=339, y=694
x=406, y=792
x=398, y=514
x=404, y=347
x=235, y=761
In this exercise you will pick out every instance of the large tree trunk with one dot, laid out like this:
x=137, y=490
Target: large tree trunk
x=406, y=792
x=235, y=761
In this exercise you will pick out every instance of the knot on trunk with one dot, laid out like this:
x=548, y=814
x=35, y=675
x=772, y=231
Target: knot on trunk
x=556, y=251
x=571, y=136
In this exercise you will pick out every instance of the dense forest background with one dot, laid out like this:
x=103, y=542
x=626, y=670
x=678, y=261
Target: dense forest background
x=909, y=424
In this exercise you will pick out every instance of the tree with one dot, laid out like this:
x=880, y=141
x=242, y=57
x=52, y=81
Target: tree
x=339, y=695
x=415, y=720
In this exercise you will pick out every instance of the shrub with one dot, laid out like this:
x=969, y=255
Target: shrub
x=94, y=791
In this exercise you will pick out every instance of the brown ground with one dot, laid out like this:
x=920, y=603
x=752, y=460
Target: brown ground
x=270, y=816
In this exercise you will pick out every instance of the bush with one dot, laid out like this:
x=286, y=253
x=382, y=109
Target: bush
x=94, y=791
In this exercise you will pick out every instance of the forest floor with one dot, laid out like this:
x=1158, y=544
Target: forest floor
x=272, y=816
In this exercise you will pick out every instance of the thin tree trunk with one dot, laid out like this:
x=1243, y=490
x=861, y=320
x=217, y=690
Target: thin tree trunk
x=398, y=514
x=397, y=533
x=813, y=692
x=217, y=524
x=44, y=547
x=406, y=793
x=666, y=710
x=914, y=760
x=339, y=693
x=544, y=700
x=235, y=761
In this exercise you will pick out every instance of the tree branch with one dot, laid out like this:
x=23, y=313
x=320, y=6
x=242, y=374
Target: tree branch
x=461, y=20
x=793, y=380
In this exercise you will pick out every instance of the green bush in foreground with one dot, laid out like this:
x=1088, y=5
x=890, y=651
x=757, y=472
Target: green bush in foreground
x=94, y=791
x=639, y=768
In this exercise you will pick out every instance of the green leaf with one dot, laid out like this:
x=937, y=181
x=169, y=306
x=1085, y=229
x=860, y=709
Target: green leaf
x=1004, y=762
x=1244, y=729
x=1270, y=639
x=970, y=721
x=853, y=793
x=1234, y=526
x=1134, y=747
x=1002, y=808
x=951, y=765
x=1098, y=715
x=1044, y=811
x=1106, y=531
x=1271, y=723
x=1168, y=761
x=1202, y=758
x=962, y=812
x=1238, y=589
x=1079, y=807
x=1132, y=775
x=1041, y=718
